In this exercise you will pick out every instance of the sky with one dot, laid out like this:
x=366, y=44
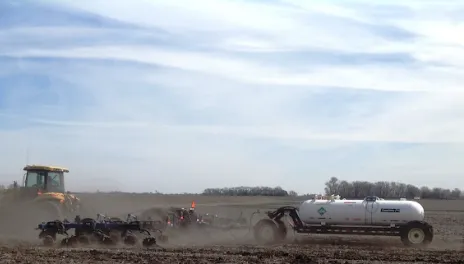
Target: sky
x=171, y=96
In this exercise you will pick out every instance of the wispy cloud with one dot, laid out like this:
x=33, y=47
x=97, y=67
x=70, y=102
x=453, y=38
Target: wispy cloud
x=233, y=92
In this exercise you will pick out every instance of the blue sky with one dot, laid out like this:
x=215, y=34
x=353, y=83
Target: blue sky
x=148, y=95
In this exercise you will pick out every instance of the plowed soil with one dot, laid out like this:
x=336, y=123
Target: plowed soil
x=447, y=217
x=281, y=254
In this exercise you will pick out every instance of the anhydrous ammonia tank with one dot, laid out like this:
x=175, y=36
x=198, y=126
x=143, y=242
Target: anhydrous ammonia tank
x=370, y=211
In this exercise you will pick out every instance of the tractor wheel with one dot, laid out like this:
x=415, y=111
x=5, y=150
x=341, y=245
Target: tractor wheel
x=18, y=218
x=417, y=235
x=266, y=232
x=48, y=211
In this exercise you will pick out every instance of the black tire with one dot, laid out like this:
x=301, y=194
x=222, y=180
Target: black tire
x=260, y=228
x=130, y=240
x=149, y=241
x=417, y=235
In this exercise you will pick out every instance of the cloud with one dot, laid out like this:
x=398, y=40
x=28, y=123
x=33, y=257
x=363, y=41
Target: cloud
x=228, y=92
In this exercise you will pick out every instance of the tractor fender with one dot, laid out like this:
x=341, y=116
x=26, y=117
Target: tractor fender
x=72, y=197
x=58, y=197
x=72, y=200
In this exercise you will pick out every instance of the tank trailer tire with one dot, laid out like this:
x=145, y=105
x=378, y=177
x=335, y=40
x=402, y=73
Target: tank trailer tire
x=267, y=232
x=417, y=235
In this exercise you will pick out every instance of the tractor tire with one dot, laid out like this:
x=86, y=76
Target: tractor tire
x=19, y=218
x=417, y=234
x=46, y=211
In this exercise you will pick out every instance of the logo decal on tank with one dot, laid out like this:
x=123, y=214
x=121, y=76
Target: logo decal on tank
x=322, y=211
x=389, y=210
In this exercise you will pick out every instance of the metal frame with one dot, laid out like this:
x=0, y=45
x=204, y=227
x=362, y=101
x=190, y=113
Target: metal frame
x=275, y=219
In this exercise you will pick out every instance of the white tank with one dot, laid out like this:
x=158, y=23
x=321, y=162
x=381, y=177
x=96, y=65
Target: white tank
x=370, y=211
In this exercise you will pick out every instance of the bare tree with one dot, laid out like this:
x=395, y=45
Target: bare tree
x=384, y=189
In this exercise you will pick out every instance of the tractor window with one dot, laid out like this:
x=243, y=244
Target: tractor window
x=35, y=180
x=55, y=182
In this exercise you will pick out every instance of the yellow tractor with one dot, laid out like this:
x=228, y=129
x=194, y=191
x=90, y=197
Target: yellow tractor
x=41, y=197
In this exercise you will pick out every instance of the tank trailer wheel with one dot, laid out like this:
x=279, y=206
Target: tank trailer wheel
x=417, y=235
x=267, y=232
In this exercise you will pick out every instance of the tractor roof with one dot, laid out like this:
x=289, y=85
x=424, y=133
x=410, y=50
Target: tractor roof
x=45, y=168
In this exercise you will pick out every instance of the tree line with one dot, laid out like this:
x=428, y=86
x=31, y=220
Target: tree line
x=248, y=191
x=346, y=189
x=384, y=189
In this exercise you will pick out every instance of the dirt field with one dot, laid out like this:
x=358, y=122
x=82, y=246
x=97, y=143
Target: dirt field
x=447, y=217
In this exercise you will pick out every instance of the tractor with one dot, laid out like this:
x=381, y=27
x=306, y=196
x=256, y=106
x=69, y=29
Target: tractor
x=41, y=197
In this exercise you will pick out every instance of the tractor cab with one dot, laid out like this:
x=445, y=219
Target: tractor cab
x=44, y=179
